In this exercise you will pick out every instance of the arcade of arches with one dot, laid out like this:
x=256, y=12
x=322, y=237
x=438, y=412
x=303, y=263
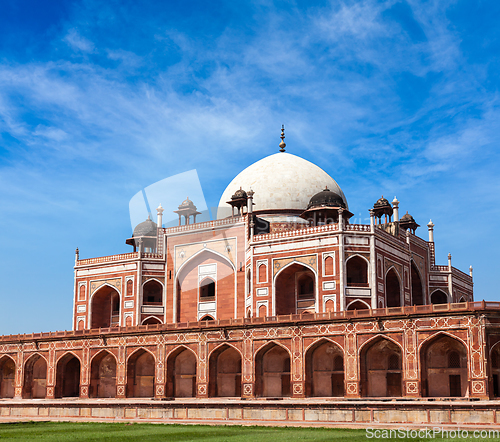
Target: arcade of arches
x=443, y=360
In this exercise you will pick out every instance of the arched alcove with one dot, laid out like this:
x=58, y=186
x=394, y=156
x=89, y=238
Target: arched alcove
x=381, y=369
x=225, y=372
x=68, y=376
x=35, y=378
x=141, y=374
x=444, y=367
x=272, y=371
x=7, y=377
x=103, y=376
x=181, y=373
x=324, y=370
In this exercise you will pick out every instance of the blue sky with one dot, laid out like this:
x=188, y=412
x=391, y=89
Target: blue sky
x=99, y=100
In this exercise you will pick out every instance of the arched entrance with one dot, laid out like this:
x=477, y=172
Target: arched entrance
x=444, y=368
x=7, y=377
x=272, y=371
x=141, y=374
x=35, y=378
x=181, y=373
x=105, y=307
x=392, y=289
x=225, y=372
x=381, y=369
x=295, y=290
x=417, y=294
x=325, y=370
x=439, y=297
x=68, y=376
x=103, y=376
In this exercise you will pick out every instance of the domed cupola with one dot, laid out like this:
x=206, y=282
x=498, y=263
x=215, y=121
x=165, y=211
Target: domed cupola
x=323, y=208
x=382, y=207
x=408, y=223
x=186, y=210
x=283, y=184
x=144, y=234
x=239, y=200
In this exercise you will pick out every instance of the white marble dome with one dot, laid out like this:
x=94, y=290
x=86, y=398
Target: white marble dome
x=281, y=181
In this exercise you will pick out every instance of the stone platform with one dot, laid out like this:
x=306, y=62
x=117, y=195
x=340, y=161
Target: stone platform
x=444, y=413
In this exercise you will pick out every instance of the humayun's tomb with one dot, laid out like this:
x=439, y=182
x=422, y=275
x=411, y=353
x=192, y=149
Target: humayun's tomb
x=280, y=307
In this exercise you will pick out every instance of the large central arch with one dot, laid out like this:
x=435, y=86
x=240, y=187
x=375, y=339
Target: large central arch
x=191, y=299
x=393, y=288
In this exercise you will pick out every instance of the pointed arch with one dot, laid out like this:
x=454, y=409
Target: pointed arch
x=417, y=286
x=272, y=370
x=225, y=371
x=358, y=304
x=153, y=292
x=35, y=377
x=289, y=297
x=494, y=359
x=182, y=364
x=103, y=375
x=357, y=268
x=381, y=367
x=438, y=378
x=151, y=320
x=439, y=296
x=105, y=307
x=7, y=376
x=186, y=284
x=68, y=367
x=393, y=288
x=141, y=365
x=324, y=368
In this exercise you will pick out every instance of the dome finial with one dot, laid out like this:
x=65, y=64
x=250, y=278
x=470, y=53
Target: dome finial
x=282, y=144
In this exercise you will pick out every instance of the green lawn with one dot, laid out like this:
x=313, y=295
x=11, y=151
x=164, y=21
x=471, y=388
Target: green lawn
x=74, y=432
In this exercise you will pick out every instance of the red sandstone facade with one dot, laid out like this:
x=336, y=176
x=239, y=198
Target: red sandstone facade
x=312, y=307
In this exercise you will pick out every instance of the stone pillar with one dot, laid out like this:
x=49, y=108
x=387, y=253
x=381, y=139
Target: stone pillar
x=297, y=383
x=51, y=372
x=373, y=263
x=411, y=381
x=121, y=378
x=341, y=261
x=18, y=389
x=85, y=371
x=201, y=371
x=160, y=371
x=477, y=365
x=248, y=381
x=351, y=380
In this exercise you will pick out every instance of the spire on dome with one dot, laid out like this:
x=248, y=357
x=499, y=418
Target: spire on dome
x=282, y=144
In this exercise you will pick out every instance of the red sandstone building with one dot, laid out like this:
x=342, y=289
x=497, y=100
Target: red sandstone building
x=281, y=296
